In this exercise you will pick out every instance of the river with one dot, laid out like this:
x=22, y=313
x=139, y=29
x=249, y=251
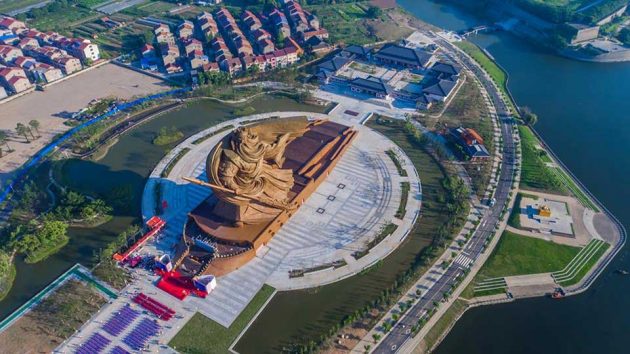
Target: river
x=584, y=116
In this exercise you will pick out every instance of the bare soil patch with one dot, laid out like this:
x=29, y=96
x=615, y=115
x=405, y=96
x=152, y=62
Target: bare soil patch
x=52, y=321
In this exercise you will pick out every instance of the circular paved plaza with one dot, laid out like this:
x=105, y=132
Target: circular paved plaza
x=359, y=198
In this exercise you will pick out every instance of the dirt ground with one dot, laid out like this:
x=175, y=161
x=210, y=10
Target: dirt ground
x=52, y=321
x=63, y=99
x=352, y=336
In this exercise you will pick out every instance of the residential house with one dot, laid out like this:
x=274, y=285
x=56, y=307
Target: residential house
x=280, y=24
x=260, y=34
x=28, y=42
x=67, y=64
x=265, y=46
x=247, y=62
x=296, y=15
x=220, y=49
x=185, y=30
x=197, y=59
x=83, y=49
x=14, y=79
x=470, y=142
x=147, y=50
x=173, y=68
x=290, y=42
x=9, y=53
x=26, y=63
x=261, y=62
x=8, y=38
x=251, y=21
x=192, y=45
x=211, y=67
x=207, y=26
x=321, y=33
x=318, y=46
x=11, y=24
x=46, y=73
x=232, y=66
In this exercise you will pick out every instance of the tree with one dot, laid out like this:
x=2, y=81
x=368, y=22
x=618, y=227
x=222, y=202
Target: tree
x=528, y=116
x=35, y=125
x=52, y=231
x=21, y=129
x=280, y=40
x=374, y=12
x=3, y=141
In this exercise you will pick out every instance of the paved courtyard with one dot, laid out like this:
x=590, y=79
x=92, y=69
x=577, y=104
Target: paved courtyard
x=349, y=209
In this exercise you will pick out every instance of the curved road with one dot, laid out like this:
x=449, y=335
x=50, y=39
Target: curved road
x=401, y=333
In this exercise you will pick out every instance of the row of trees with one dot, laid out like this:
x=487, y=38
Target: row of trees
x=21, y=129
x=453, y=202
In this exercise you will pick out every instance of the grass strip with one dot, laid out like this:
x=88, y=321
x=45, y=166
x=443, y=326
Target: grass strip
x=404, y=195
x=206, y=137
x=587, y=266
x=173, y=162
x=203, y=335
x=392, y=155
x=445, y=322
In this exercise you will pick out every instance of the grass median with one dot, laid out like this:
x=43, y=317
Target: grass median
x=203, y=335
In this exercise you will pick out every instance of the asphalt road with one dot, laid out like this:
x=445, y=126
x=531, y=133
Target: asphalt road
x=402, y=331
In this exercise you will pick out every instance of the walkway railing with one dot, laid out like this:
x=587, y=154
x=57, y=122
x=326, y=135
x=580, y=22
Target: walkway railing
x=43, y=153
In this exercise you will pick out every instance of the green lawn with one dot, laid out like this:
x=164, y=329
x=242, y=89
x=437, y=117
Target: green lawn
x=534, y=172
x=575, y=190
x=587, y=262
x=6, y=281
x=11, y=5
x=63, y=20
x=202, y=335
x=520, y=255
x=392, y=155
x=344, y=22
x=457, y=308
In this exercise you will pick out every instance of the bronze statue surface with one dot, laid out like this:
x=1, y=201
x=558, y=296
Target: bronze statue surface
x=246, y=168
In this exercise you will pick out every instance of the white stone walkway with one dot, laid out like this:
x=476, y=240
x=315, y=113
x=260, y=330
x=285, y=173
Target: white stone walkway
x=348, y=210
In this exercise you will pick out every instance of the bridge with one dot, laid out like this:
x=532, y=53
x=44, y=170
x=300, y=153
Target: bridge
x=475, y=30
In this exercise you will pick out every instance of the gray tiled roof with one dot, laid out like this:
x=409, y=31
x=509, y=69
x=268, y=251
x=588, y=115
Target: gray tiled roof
x=441, y=88
x=372, y=83
x=404, y=54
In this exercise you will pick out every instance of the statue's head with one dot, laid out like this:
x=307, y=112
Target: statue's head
x=245, y=135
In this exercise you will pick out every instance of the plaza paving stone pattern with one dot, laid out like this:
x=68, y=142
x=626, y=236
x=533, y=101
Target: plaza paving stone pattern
x=345, y=212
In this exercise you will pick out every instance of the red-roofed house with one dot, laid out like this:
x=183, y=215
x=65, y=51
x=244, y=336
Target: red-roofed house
x=28, y=42
x=67, y=64
x=232, y=66
x=11, y=24
x=14, y=79
x=46, y=72
x=266, y=46
x=9, y=53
